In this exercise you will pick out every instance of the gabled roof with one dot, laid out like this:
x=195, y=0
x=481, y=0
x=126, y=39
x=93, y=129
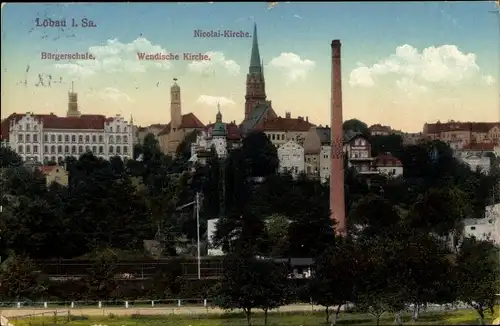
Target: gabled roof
x=233, y=131
x=52, y=121
x=479, y=147
x=482, y=127
x=287, y=124
x=189, y=121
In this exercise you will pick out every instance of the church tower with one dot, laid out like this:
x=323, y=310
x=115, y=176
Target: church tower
x=72, y=103
x=256, y=88
x=175, y=107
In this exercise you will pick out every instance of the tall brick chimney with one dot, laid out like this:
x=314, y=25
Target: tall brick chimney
x=337, y=200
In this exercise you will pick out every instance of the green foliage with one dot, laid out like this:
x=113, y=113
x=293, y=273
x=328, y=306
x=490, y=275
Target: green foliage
x=20, y=279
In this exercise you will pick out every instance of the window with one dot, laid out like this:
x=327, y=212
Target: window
x=28, y=149
x=125, y=139
x=45, y=149
x=125, y=150
x=118, y=150
x=28, y=138
x=20, y=149
x=118, y=129
x=35, y=127
x=87, y=148
x=59, y=138
x=472, y=227
x=111, y=149
x=80, y=139
x=87, y=138
x=94, y=149
x=66, y=138
x=118, y=139
x=124, y=129
x=45, y=159
x=35, y=149
x=73, y=139
x=110, y=129
x=46, y=138
x=66, y=149
x=94, y=138
x=73, y=149
x=101, y=139
x=80, y=149
x=35, y=138
x=60, y=159
x=20, y=138
x=59, y=149
x=111, y=139
x=53, y=159
x=53, y=149
x=28, y=127
x=101, y=149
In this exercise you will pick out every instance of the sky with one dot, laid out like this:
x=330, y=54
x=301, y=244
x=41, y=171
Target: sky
x=403, y=64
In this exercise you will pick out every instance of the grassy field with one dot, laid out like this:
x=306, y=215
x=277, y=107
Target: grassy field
x=462, y=317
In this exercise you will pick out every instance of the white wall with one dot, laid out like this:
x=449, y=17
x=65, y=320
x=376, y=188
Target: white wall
x=487, y=228
x=393, y=171
x=325, y=163
x=474, y=162
x=291, y=157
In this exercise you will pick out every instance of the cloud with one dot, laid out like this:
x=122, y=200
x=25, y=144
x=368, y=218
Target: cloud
x=489, y=80
x=409, y=86
x=116, y=57
x=218, y=61
x=111, y=93
x=443, y=65
x=294, y=67
x=214, y=100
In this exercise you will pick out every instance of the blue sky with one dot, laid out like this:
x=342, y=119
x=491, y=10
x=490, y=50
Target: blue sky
x=369, y=31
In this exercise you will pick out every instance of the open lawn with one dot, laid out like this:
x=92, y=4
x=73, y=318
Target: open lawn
x=461, y=317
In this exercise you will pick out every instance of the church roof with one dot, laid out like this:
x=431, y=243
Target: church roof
x=257, y=114
x=255, y=63
x=233, y=131
x=219, y=129
x=189, y=121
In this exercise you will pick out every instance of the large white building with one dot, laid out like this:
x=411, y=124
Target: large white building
x=47, y=137
x=291, y=157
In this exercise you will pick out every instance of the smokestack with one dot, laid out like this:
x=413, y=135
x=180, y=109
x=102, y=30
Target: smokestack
x=337, y=200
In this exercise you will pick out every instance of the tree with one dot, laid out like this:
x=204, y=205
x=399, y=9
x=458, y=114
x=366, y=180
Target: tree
x=478, y=275
x=9, y=158
x=260, y=156
x=100, y=281
x=386, y=144
x=356, y=125
x=277, y=232
x=334, y=277
x=20, y=279
x=248, y=283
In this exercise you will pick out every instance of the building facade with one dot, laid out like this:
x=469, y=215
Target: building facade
x=49, y=138
x=291, y=157
x=459, y=134
x=487, y=228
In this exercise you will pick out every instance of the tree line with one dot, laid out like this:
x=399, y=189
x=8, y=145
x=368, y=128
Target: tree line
x=404, y=243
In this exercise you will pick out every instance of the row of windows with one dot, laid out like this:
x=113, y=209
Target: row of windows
x=34, y=137
x=74, y=149
x=276, y=136
x=35, y=127
x=47, y=159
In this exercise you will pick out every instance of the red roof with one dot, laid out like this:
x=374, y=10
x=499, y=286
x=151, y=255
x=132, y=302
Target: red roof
x=233, y=130
x=52, y=121
x=287, y=124
x=189, y=121
x=482, y=127
x=479, y=147
x=46, y=169
x=386, y=160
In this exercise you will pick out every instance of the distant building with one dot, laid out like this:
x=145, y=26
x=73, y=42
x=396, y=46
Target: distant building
x=142, y=132
x=55, y=173
x=282, y=130
x=412, y=138
x=487, y=228
x=180, y=125
x=47, y=137
x=291, y=157
x=389, y=165
x=459, y=134
x=379, y=130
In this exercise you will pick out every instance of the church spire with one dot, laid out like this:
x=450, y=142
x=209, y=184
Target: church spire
x=255, y=63
x=218, y=117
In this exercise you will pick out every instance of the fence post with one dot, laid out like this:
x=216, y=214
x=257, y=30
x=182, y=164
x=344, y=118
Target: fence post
x=100, y=304
x=178, y=303
x=72, y=304
x=204, y=302
x=152, y=303
x=69, y=315
x=19, y=305
x=126, y=304
x=45, y=305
